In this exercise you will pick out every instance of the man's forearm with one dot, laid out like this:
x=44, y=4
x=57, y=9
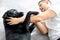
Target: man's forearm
x=21, y=20
x=41, y=27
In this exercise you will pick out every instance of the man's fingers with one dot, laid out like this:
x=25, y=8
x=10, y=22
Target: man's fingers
x=8, y=19
x=9, y=23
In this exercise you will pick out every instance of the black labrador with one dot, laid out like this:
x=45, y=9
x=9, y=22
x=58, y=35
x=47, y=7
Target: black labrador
x=19, y=31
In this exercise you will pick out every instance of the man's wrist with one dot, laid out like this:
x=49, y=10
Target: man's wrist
x=21, y=20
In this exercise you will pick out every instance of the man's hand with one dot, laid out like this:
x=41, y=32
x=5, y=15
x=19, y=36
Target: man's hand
x=13, y=21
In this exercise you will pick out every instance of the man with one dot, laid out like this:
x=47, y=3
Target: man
x=40, y=32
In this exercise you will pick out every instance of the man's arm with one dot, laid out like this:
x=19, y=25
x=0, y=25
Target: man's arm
x=42, y=27
x=43, y=16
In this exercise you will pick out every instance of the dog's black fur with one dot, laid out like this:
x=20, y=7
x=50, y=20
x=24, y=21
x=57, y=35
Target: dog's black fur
x=14, y=32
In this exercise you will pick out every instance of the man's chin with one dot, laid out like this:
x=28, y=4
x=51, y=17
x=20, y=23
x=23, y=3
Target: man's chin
x=42, y=10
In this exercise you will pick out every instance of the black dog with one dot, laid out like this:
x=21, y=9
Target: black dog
x=19, y=31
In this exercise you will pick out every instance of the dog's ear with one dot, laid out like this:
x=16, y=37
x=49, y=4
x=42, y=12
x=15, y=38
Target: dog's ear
x=5, y=15
x=33, y=12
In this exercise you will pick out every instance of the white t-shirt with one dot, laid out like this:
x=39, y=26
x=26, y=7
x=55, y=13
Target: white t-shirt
x=53, y=24
x=19, y=5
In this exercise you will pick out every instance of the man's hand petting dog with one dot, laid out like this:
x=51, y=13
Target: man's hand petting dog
x=13, y=21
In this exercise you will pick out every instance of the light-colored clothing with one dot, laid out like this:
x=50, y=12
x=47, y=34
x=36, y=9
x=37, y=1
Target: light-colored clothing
x=36, y=35
x=53, y=24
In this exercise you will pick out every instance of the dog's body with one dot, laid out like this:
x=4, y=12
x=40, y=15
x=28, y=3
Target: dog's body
x=19, y=31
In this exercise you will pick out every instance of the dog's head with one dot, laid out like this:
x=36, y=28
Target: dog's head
x=12, y=13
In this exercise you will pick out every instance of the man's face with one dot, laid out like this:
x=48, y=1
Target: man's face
x=43, y=6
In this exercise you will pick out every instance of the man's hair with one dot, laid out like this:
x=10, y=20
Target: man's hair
x=40, y=1
x=43, y=1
